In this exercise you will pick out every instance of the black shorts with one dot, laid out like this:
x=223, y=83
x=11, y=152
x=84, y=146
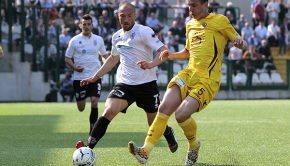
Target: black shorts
x=145, y=95
x=93, y=89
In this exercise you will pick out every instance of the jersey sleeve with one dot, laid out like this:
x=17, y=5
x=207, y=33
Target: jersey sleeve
x=150, y=39
x=114, y=51
x=227, y=29
x=102, y=50
x=70, y=49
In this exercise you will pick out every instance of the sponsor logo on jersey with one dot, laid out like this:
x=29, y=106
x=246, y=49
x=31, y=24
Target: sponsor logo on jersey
x=118, y=93
x=180, y=82
x=84, y=51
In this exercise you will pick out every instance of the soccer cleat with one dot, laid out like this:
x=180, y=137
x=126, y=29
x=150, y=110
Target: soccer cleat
x=139, y=153
x=171, y=140
x=80, y=144
x=192, y=155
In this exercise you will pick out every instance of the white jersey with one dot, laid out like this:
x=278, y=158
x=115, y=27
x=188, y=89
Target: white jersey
x=133, y=46
x=85, y=52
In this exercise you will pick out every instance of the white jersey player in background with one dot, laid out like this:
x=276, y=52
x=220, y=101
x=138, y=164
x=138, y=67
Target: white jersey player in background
x=133, y=44
x=85, y=50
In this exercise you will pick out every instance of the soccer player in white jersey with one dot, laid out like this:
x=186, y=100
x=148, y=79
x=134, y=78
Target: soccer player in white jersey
x=131, y=44
x=85, y=50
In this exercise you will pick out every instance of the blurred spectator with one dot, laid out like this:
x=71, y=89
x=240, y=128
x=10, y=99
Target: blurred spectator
x=106, y=20
x=236, y=55
x=64, y=39
x=179, y=9
x=116, y=5
x=180, y=20
x=176, y=32
x=272, y=33
x=253, y=39
x=154, y=23
x=160, y=36
x=51, y=51
x=267, y=15
x=282, y=13
x=247, y=29
x=258, y=13
x=102, y=31
x=145, y=8
x=170, y=47
x=49, y=9
x=70, y=7
x=75, y=27
x=244, y=37
x=250, y=57
x=273, y=9
x=241, y=23
x=52, y=31
x=101, y=5
x=67, y=87
x=110, y=7
x=153, y=7
x=58, y=4
x=265, y=51
x=138, y=6
x=80, y=14
x=29, y=32
x=68, y=22
x=172, y=40
x=163, y=6
x=230, y=10
x=213, y=6
x=230, y=17
x=82, y=4
x=115, y=21
x=141, y=19
x=261, y=31
x=282, y=38
x=51, y=66
x=94, y=19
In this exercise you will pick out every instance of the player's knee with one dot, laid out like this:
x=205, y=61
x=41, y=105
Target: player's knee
x=81, y=108
x=181, y=117
x=110, y=113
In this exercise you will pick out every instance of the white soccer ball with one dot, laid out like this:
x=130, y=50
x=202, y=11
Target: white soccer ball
x=84, y=156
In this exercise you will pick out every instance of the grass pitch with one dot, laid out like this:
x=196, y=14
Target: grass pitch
x=247, y=132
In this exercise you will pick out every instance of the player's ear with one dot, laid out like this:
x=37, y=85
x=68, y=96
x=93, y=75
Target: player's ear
x=81, y=25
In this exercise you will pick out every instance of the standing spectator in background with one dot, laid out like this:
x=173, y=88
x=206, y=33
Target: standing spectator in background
x=86, y=48
x=64, y=39
x=241, y=23
x=29, y=32
x=213, y=6
x=261, y=31
x=253, y=39
x=283, y=12
x=106, y=20
x=154, y=23
x=230, y=10
x=250, y=57
x=282, y=39
x=258, y=13
x=52, y=31
x=179, y=9
x=163, y=6
x=247, y=29
x=266, y=14
x=273, y=9
x=236, y=55
x=103, y=32
x=138, y=6
x=51, y=51
x=273, y=33
x=153, y=7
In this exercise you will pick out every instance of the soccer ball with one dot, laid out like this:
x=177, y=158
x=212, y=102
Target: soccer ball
x=84, y=156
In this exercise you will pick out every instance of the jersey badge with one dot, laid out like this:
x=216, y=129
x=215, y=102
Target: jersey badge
x=95, y=42
x=204, y=25
x=133, y=35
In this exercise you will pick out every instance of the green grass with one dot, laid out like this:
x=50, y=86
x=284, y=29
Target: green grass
x=243, y=132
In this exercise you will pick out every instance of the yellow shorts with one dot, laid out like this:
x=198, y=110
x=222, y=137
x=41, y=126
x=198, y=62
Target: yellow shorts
x=202, y=89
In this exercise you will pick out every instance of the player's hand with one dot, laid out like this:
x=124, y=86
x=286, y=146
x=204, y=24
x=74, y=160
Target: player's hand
x=144, y=65
x=240, y=43
x=79, y=69
x=87, y=81
x=164, y=55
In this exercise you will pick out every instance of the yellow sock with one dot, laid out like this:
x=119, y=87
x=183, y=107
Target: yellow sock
x=189, y=128
x=156, y=130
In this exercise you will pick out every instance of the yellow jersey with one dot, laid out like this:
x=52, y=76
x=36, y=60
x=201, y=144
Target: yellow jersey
x=206, y=40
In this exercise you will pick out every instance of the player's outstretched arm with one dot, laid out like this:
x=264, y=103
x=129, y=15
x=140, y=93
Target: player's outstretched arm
x=240, y=43
x=156, y=61
x=110, y=62
x=183, y=54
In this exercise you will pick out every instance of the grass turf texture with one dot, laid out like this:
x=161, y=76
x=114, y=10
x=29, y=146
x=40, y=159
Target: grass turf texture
x=231, y=132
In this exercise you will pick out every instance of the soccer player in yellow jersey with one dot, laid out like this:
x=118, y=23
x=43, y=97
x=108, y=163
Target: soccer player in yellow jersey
x=193, y=88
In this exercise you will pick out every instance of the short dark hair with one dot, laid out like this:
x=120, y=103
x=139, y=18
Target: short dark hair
x=203, y=1
x=87, y=17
